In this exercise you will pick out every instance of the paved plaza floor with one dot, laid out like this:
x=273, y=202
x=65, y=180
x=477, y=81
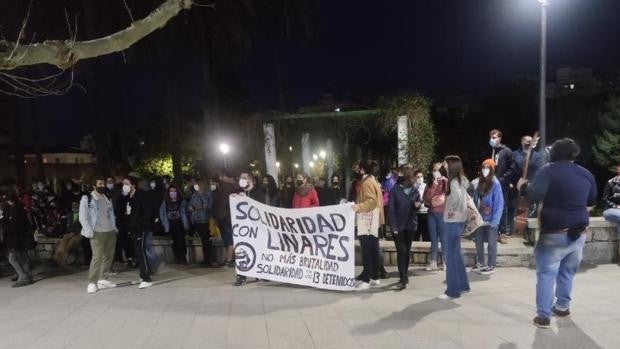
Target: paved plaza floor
x=191, y=307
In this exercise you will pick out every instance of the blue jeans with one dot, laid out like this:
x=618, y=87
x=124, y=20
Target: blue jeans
x=456, y=275
x=151, y=257
x=436, y=231
x=488, y=234
x=613, y=215
x=557, y=260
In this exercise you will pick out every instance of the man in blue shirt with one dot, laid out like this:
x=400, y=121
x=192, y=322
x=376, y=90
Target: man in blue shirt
x=567, y=192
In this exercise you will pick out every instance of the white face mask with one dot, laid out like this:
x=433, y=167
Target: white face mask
x=243, y=183
x=126, y=189
x=196, y=187
x=420, y=181
x=485, y=172
x=153, y=185
x=213, y=187
x=436, y=174
x=110, y=186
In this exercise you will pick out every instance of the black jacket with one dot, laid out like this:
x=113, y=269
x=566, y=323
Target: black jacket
x=15, y=226
x=402, y=210
x=331, y=196
x=611, y=194
x=503, y=157
x=140, y=212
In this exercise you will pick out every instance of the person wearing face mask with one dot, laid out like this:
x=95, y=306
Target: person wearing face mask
x=156, y=195
x=221, y=213
x=287, y=192
x=369, y=209
x=356, y=183
x=172, y=214
x=99, y=225
x=403, y=205
x=199, y=207
x=305, y=195
x=321, y=191
x=422, y=231
x=335, y=193
x=488, y=198
x=139, y=214
x=124, y=252
x=15, y=227
x=435, y=199
x=504, y=160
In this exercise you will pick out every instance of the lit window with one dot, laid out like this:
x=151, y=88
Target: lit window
x=572, y=86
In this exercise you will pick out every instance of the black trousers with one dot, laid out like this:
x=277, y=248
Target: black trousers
x=422, y=228
x=205, y=237
x=139, y=244
x=179, y=243
x=370, y=257
x=123, y=244
x=403, y=241
x=87, y=251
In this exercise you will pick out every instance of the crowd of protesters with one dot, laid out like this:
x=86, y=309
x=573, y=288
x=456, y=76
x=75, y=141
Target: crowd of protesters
x=110, y=220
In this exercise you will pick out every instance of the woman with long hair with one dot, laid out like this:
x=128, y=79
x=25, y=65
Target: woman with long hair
x=435, y=200
x=455, y=216
x=173, y=216
x=486, y=192
x=271, y=192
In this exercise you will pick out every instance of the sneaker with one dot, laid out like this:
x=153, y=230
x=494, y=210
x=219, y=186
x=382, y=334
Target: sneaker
x=400, y=286
x=375, y=283
x=542, y=323
x=560, y=313
x=241, y=280
x=487, y=271
x=362, y=286
x=432, y=266
x=445, y=297
x=22, y=283
x=383, y=274
x=477, y=268
x=92, y=288
x=360, y=276
x=503, y=239
x=103, y=284
x=145, y=284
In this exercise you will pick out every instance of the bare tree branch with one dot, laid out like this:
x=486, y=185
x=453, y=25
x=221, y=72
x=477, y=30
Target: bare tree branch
x=65, y=53
x=128, y=10
x=21, y=31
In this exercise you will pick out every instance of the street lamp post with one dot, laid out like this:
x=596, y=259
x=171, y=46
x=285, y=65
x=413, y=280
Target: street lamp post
x=224, y=149
x=542, y=117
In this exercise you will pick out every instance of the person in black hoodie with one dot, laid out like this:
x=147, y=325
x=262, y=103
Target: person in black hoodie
x=270, y=191
x=139, y=214
x=15, y=226
x=287, y=192
x=503, y=157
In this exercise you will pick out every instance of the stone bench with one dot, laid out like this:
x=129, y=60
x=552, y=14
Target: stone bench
x=602, y=244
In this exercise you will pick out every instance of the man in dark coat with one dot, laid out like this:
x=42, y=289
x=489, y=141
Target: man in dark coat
x=15, y=226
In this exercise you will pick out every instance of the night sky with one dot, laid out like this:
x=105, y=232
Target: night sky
x=371, y=48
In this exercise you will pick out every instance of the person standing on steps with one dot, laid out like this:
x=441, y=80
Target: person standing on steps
x=435, y=200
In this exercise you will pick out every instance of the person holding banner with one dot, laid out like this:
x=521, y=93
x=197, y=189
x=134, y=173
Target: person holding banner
x=403, y=203
x=455, y=216
x=246, y=184
x=221, y=213
x=369, y=217
x=305, y=194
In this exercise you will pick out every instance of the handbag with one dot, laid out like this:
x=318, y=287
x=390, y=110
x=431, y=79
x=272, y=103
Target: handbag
x=474, y=219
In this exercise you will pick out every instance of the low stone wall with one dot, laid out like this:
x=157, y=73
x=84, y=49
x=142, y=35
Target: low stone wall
x=602, y=244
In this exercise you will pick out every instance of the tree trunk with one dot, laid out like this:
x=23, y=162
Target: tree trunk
x=40, y=171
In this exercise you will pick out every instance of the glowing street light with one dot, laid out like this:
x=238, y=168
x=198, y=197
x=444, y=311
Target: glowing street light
x=311, y=163
x=290, y=148
x=296, y=165
x=277, y=164
x=315, y=157
x=224, y=148
x=323, y=154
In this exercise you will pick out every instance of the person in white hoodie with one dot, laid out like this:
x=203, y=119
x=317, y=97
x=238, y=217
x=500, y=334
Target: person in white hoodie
x=99, y=225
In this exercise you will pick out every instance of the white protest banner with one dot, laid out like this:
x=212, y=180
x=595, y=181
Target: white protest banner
x=311, y=247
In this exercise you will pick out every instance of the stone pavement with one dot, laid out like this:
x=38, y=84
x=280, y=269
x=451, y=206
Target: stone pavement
x=190, y=307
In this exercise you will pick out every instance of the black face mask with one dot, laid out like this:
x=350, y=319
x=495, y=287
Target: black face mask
x=335, y=184
x=288, y=184
x=357, y=175
x=299, y=182
x=101, y=190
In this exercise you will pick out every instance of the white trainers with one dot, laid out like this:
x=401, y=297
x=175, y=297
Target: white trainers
x=103, y=284
x=432, y=266
x=477, y=268
x=92, y=288
x=362, y=286
x=444, y=297
x=375, y=283
x=145, y=284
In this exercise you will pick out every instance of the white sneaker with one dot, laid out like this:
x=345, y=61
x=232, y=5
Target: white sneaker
x=445, y=297
x=92, y=288
x=103, y=284
x=362, y=286
x=375, y=283
x=432, y=266
x=477, y=268
x=145, y=284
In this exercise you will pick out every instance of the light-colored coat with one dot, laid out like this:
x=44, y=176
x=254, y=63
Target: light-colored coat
x=88, y=213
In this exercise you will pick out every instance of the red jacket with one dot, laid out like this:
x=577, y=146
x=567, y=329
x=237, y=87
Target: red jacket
x=311, y=199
